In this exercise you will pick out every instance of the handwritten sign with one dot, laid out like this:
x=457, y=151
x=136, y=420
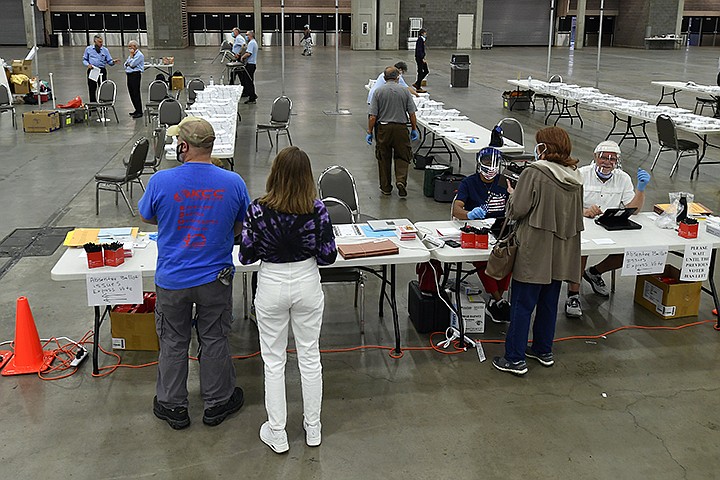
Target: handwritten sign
x=644, y=260
x=114, y=288
x=696, y=263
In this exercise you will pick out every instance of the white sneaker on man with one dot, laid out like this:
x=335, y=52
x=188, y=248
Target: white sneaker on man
x=573, y=309
x=597, y=283
x=313, y=436
x=277, y=441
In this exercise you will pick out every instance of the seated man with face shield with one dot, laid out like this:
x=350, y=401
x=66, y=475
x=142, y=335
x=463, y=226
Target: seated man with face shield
x=484, y=195
x=605, y=185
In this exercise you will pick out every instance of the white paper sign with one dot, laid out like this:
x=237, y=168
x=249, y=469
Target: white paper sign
x=644, y=260
x=114, y=288
x=696, y=263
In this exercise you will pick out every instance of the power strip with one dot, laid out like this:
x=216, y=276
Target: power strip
x=434, y=241
x=80, y=356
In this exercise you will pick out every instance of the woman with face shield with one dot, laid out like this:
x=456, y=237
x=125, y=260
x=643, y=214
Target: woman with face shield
x=547, y=205
x=479, y=196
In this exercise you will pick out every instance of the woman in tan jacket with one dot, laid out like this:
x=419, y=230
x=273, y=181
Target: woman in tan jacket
x=547, y=205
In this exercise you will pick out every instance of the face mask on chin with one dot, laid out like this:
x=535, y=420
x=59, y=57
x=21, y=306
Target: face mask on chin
x=601, y=175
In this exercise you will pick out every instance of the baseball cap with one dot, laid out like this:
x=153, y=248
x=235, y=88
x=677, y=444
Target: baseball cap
x=196, y=131
x=608, y=146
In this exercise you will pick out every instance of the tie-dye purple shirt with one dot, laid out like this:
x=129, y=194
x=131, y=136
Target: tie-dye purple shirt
x=277, y=237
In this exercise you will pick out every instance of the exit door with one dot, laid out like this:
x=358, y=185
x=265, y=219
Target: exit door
x=465, y=31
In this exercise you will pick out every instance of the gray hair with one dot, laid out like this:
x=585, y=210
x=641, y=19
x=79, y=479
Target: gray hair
x=133, y=43
x=391, y=73
x=97, y=37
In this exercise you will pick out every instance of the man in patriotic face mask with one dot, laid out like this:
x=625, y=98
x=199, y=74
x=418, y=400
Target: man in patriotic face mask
x=605, y=185
x=480, y=196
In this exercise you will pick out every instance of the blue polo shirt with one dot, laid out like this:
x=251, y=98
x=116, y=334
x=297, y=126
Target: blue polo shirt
x=196, y=206
x=100, y=60
x=135, y=63
x=252, y=48
x=238, y=44
x=476, y=193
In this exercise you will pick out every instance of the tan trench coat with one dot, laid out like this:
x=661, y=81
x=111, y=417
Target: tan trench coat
x=547, y=205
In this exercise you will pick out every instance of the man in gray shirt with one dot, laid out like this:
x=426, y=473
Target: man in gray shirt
x=390, y=108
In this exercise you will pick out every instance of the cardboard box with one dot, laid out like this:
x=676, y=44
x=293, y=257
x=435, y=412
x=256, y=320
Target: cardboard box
x=668, y=300
x=41, y=121
x=133, y=326
x=22, y=67
x=178, y=83
x=21, y=88
x=473, y=314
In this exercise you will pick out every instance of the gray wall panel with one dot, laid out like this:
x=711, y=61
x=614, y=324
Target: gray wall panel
x=12, y=23
x=517, y=22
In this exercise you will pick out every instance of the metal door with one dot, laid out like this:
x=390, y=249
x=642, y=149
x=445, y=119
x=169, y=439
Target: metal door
x=465, y=31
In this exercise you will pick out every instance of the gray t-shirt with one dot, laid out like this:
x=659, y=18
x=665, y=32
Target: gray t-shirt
x=392, y=103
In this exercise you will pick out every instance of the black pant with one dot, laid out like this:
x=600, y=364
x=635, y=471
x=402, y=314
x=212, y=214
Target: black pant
x=93, y=85
x=133, y=86
x=422, y=72
x=249, y=85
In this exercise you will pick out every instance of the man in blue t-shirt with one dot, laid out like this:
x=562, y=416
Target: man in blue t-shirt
x=250, y=56
x=198, y=208
x=480, y=196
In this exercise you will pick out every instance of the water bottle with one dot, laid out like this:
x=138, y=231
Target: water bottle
x=682, y=209
x=211, y=80
x=529, y=81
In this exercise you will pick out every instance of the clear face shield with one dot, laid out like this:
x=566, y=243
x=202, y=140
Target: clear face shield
x=606, y=163
x=488, y=163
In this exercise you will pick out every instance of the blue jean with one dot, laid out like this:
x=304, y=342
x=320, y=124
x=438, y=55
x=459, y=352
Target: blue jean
x=527, y=297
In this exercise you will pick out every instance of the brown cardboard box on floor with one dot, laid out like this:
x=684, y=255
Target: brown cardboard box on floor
x=132, y=327
x=668, y=300
x=41, y=121
x=22, y=67
x=21, y=88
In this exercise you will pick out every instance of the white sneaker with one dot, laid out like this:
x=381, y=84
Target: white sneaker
x=573, y=308
x=277, y=441
x=312, y=434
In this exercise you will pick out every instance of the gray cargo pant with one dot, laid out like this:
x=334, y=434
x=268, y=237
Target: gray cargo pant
x=173, y=322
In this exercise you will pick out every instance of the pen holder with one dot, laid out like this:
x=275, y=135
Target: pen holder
x=688, y=228
x=95, y=259
x=467, y=240
x=114, y=254
x=481, y=241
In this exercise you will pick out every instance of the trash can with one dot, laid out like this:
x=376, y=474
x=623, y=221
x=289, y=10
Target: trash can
x=432, y=171
x=459, y=70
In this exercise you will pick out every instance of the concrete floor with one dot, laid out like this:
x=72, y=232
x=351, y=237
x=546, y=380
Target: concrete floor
x=637, y=404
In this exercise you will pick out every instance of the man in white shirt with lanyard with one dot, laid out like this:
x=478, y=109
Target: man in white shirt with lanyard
x=605, y=185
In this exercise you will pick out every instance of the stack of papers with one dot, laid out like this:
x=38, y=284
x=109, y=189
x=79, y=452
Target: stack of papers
x=451, y=233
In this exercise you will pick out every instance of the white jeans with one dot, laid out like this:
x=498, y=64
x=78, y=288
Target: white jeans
x=290, y=293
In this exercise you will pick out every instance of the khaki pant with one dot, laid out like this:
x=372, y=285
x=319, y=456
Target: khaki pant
x=392, y=138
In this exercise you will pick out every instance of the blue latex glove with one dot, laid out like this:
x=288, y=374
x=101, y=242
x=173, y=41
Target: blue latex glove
x=368, y=138
x=477, y=213
x=414, y=135
x=643, y=178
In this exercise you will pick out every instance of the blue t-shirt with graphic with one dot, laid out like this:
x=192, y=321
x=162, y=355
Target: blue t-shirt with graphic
x=474, y=192
x=196, y=206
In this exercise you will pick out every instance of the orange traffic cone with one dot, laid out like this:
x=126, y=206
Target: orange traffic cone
x=5, y=356
x=29, y=355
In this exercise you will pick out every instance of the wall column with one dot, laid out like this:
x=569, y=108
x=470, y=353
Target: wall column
x=165, y=19
x=364, y=20
x=580, y=24
x=479, y=23
x=389, y=20
x=257, y=23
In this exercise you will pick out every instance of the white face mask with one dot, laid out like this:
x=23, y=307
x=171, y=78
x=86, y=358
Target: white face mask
x=537, y=153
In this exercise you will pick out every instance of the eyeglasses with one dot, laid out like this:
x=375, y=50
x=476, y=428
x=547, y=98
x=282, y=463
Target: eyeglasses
x=609, y=157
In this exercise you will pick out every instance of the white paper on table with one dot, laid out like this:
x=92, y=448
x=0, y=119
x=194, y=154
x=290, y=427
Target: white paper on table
x=644, y=260
x=94, y=74
x=696, y=263
x=603, y=241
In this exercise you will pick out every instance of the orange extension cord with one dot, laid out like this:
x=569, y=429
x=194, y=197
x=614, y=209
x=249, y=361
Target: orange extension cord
x=66, y=352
